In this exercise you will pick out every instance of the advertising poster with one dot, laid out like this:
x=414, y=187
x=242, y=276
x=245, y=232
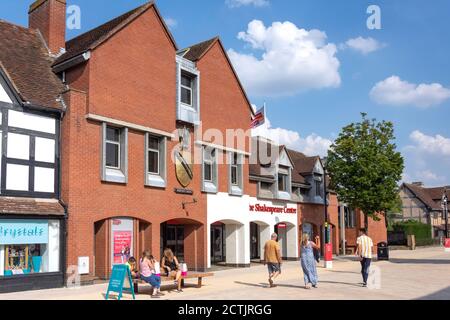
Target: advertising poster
x=122, y=246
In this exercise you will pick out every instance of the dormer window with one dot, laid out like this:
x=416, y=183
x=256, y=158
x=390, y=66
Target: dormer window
x=186, y=89
x=318, y=188
x=282, y=182
x=188, y=95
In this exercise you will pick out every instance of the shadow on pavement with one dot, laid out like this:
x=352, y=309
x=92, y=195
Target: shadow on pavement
x=443, y=294
x=266, y=286
x=421, y=261
x=345, y=283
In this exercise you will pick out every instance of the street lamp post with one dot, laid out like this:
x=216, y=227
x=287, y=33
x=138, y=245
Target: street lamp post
x=328, y=251
x=445, y=212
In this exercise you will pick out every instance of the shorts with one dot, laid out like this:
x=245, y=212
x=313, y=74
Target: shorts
x=273, y=267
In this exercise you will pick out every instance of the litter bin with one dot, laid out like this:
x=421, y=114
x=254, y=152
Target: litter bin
x=383, y=251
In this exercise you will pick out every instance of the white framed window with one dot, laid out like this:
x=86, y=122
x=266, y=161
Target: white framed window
x=114, y=154
x=282, y=182
x=112, y=148
x=318, y=188
x=155, y=161
x=235, y=174
x=209, y=170
x=153, y=155
x=186, y=89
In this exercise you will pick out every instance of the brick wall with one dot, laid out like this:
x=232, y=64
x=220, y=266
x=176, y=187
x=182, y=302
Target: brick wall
x=49, y=16
x=131, y=77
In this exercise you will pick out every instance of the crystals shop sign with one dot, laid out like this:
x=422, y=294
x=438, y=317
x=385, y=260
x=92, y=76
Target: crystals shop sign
x=23, y=232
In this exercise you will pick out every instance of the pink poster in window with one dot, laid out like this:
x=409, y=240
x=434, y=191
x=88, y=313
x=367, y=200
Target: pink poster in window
x=122, y=246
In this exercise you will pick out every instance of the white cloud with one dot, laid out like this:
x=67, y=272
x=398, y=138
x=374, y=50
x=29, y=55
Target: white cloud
x=363, y=45
x=437, y=145
x=311, y=145
x=171, y=23
x=427, y=159
x=396, y=92
x=293, y=60
x=240, y=3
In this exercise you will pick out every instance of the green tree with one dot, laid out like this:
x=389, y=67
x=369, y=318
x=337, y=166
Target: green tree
x=365, y=167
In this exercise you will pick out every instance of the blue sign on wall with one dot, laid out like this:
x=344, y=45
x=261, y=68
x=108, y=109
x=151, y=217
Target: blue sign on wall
x=23, y=232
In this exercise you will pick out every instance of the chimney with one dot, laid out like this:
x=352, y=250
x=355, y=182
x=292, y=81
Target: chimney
x=49, y=16
x=418, y=184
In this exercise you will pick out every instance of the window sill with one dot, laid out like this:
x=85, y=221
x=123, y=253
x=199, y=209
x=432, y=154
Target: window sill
x=236, y=191
x=155, y=181
x=284, y=195
x=115, y=176
x=209, y=187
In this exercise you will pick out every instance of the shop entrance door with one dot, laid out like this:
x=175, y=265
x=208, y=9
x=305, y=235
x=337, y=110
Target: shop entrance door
x=217, y=243
x=173, y=238
x=281, y=231
x=254, y=242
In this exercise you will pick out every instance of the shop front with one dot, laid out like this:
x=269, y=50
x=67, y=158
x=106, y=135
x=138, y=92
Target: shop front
x=240, y=226
x=31, y=253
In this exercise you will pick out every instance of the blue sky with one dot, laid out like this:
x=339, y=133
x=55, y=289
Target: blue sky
x=405, y=65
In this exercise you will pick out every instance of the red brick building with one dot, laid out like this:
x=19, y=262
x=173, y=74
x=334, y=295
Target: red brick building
x=154, y=151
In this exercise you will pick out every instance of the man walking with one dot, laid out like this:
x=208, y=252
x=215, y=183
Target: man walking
x=364, y=252
x=272, y=257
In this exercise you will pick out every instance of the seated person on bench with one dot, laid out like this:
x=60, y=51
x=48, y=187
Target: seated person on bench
x=132, y=266
x=171, y=266
x=148, y=273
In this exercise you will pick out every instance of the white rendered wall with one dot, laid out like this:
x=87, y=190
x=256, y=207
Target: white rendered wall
x=4, y=96
x=53, y=245
x=2, y=260
x=31, y=122
x=17, y=177
x=44, y=180
x=18, y=146
x=45, y=150
x=225, y=208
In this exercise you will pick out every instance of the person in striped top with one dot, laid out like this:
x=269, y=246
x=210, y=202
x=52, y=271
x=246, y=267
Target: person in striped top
x=364, y=252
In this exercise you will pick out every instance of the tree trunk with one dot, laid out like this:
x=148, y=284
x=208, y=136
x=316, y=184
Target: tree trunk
x=366, y=222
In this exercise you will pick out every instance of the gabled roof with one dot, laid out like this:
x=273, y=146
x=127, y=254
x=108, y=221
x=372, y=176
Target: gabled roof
x=428, y=196
x=93, y=38
x=303, y=164
x=197, y=51
x=26, y=63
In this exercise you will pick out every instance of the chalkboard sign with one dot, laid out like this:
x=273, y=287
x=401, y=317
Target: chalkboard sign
x=120, y=281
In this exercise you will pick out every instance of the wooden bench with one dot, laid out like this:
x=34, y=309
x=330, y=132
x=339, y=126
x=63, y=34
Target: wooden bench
x=191, y=275
x=350, y=250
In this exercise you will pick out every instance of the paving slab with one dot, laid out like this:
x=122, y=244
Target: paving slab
x=419, y=274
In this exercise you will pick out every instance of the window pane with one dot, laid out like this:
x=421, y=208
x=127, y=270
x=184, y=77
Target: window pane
x=234, y=159
x=208, y=172
x=112, y=155
x=153, y=162
x=153, y=143
x=186, y=96
x=234, y=179
x=266, y=185
x=281, y=182
x=186, y=81
x=112, y=134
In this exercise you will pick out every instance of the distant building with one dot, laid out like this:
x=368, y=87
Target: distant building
x=423, y=204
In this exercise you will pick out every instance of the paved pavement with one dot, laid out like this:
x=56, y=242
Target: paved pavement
x=419, y=274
